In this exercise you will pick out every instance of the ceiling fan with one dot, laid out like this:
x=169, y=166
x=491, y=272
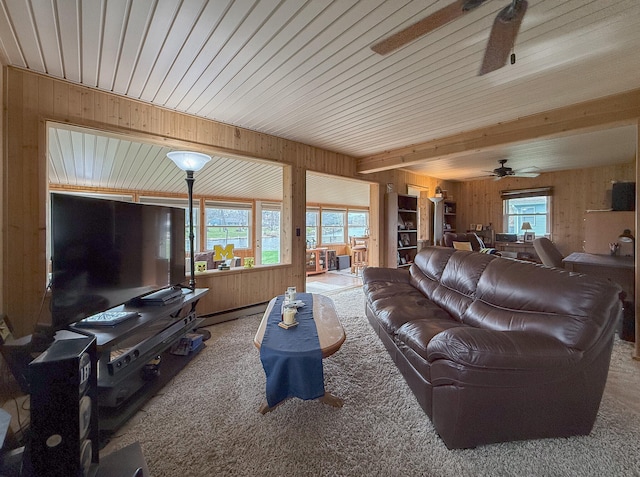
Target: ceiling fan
x=501, y=39
x=505, y=171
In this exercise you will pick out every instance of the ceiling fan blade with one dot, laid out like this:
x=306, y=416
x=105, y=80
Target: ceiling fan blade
x=426, y=25
x=503, y=36
x=526, y=174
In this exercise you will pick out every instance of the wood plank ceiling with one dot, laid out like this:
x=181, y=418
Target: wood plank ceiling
x=304, y=70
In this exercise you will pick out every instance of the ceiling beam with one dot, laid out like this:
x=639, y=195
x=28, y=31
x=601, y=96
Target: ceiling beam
x=615, y=110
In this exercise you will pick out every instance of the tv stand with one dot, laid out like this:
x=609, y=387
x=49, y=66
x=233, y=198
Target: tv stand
x=126, y=349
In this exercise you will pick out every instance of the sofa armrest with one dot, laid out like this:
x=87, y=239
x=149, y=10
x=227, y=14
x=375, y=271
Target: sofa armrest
x=482, y=348
x=374, y=274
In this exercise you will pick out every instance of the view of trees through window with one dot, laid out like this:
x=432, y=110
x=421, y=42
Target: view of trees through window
x=270, y=236
x=332, y=226
x=336, y=225
x=358, y=223
x=313, y=220
x=226, y=225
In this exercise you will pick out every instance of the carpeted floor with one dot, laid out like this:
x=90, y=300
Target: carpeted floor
x=206, y=422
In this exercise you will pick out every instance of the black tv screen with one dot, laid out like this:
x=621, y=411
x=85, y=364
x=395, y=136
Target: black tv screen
x=105, y=253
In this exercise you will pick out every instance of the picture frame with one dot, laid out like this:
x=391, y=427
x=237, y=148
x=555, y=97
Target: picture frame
x=479, y=227
x=472, y=227
x=529, y=236
x=405, y=240
x=408, y=225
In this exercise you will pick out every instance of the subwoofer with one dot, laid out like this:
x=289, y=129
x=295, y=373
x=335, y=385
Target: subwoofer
x=63, y=432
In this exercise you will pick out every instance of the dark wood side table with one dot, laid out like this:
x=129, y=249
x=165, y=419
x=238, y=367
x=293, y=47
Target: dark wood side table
x=519, y=250
x=620, y=270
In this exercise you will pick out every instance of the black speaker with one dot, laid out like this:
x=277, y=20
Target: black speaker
x=623, y=196
x=63, y=431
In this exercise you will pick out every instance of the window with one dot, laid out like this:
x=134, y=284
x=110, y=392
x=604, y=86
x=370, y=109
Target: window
x=527, y=205
x=182, y=204
x=270, y=234
x=228, y=223
x=358, y=223
x=333, y=226
x=313, y=221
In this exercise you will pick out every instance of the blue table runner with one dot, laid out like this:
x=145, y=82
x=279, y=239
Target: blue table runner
x=292, y=359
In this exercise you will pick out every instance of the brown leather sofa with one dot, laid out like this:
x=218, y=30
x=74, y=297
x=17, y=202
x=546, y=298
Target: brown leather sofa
x=476, y=242
x=496, y=349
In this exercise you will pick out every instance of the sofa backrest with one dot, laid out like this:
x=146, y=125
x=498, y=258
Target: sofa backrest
x=497, y=293
x=449, y=237
x=519, y=296
x=448, y=277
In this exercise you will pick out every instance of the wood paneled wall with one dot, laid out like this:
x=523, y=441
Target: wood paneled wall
x=32, y=99
x=574, y=192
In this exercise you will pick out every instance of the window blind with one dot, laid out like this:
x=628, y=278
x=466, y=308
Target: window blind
x=521, y=193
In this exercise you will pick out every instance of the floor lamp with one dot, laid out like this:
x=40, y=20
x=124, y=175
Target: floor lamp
x=436, y=222
x=190, y=162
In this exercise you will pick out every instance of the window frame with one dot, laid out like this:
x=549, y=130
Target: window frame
x=365, y=212
x=270, y=207
x=343, y=227
x=313, y=241
x=529, y=216
x=229, y=205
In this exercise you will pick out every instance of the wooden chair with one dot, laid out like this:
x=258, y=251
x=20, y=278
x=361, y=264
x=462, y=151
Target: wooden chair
x=359, y=247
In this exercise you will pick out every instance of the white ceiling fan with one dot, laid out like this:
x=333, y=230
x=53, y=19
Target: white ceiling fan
x=505, y=171
x=501, y=39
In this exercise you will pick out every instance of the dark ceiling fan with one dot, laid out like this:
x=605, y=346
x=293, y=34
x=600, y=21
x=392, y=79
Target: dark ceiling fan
x=505, y=171
x=501, y=40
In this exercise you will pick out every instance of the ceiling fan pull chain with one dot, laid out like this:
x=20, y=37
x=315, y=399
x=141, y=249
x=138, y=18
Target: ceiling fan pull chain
x=513, y=48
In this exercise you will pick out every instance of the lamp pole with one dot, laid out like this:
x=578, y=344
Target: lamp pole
x=192, y=257
x=190, y=162
x=437, y=234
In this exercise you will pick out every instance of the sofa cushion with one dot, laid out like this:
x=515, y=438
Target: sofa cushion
x=462, y=246
x=206, y=257
x=507, y=350
x=516, y=296
x=459, y=281
x=430, y=262
x=393, y=312
x=417, y=334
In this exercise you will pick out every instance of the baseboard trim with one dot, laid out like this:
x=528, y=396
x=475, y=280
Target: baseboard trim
x=221, y=317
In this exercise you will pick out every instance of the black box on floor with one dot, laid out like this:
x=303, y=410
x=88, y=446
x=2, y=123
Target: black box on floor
x=344, y=261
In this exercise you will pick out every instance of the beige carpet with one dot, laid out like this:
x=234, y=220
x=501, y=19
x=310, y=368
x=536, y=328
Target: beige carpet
x=205, y=423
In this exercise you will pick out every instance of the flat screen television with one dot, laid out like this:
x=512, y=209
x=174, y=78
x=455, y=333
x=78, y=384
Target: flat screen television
x=105, y=253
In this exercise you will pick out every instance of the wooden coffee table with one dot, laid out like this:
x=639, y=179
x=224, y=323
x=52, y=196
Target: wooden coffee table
x=330, y=334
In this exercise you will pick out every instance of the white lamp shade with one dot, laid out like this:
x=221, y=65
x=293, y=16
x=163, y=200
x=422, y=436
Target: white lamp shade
x=189, y=161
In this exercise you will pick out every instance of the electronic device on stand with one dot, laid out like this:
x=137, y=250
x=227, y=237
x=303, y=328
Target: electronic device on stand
x=118, y=305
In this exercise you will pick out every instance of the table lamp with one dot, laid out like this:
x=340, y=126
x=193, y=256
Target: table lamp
x=526, y=229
